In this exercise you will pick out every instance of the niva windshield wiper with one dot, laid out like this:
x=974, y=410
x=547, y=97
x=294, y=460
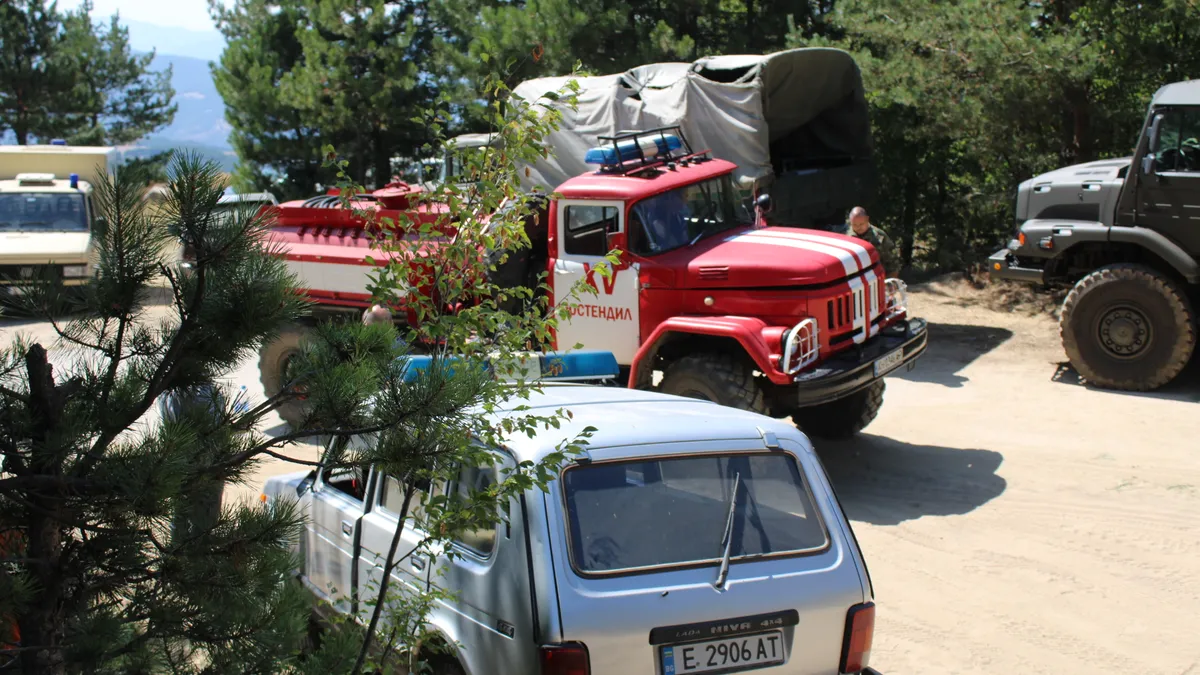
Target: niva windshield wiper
x=727, y=539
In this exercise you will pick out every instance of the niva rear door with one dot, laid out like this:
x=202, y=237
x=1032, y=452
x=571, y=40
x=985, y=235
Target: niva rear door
x=710, y=561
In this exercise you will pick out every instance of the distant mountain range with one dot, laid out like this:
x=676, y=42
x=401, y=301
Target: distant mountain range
x=199, y=122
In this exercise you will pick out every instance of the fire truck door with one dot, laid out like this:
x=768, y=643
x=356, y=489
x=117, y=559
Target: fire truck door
x=604, y=316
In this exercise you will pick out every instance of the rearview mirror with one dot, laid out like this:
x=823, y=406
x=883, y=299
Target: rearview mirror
x=1155, y=129
x=763, y=202
x=306, y=484
x=615, y=241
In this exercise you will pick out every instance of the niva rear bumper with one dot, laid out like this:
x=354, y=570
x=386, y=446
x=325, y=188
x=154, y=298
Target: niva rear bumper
x=856, y=369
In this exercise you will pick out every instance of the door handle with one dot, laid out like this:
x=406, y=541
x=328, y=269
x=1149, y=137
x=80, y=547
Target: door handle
x=418, y=564
x=347, y=528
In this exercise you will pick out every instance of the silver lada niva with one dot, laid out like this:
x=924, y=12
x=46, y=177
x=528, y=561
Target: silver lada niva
x=688, y=538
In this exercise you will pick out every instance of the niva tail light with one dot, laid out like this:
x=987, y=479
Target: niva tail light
x=856, y=645
x=565, y=659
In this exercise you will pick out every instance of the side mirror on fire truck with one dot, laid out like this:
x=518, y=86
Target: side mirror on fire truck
x=763, y=202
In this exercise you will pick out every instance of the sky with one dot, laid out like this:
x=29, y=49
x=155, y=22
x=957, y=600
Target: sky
x=179, y=27
x=191, y=14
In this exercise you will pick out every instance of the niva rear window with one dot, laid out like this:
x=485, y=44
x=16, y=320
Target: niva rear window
x=626, y=516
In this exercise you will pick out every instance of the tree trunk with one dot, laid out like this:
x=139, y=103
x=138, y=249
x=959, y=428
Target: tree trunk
x=41, y=623
x=908, y=225
x=383, y=162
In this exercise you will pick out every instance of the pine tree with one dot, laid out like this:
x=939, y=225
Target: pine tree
x=270, y=132
x=124, y=100
x=34, y=84
x=62, y=76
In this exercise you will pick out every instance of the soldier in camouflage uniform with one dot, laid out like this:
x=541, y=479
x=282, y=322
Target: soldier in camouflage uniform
x=861, y=227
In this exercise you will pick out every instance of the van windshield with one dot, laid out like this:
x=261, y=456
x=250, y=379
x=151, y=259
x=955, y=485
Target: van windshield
x=625, y=516
x=42, y=212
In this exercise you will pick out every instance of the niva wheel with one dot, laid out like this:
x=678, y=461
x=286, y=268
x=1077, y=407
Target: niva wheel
x=1127, y=327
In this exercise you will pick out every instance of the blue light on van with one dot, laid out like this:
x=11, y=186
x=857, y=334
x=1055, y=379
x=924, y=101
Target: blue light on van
x=74, y=181
x=57, y=141
x=607, y=155
x=572, y=366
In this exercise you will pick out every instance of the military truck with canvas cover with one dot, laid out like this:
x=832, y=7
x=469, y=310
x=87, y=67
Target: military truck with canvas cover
x=1125, y=235
x=707, y=301
x=794, y=122
x=46, y=212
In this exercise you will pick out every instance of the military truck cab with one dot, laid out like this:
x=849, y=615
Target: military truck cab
x=47, y=213
x=1125, y=234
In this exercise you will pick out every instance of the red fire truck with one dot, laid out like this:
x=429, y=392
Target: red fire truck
x=708, y=301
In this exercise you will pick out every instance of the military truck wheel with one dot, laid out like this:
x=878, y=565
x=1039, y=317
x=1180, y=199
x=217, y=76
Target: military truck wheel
x=844, y=417
x=1127, y=327
x=720, y=378
x=273, y=362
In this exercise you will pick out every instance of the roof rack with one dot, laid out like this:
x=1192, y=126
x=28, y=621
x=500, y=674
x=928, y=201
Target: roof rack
x=634, y=151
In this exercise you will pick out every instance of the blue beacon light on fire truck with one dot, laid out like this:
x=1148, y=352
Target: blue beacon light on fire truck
x=650, y=146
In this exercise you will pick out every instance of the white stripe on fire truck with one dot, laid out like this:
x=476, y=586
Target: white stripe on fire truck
x=848, y=261
x=859, y=314
x=873, y=301
x=864, y=257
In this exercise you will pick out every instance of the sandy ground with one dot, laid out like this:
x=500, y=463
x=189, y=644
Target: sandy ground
x=1014, y=521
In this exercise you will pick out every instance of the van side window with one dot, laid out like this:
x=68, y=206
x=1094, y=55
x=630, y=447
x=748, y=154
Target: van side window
x=586, y=228
x=480, y=541
x=351, y=481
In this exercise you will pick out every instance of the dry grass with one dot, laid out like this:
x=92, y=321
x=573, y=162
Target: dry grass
x=977, y=289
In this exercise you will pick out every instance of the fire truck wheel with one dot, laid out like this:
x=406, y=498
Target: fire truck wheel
x=272, y=366
x=844, y=417
x=721, y=378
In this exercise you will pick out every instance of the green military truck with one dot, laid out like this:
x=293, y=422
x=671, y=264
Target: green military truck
x=1125, y=235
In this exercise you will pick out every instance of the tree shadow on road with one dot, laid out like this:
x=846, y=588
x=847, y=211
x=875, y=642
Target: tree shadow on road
x=1186, y=387
x=951, y=348
x=883, y=481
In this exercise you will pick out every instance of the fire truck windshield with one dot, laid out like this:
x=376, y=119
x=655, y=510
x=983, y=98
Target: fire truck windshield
x=683, y=216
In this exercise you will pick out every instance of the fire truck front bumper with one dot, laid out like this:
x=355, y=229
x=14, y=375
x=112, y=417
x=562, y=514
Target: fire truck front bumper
x=897, y=346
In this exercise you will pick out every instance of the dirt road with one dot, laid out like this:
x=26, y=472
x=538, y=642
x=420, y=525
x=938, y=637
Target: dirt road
x=1013, y=520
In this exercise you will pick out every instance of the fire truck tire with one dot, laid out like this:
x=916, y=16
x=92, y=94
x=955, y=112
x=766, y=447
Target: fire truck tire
x=844, y=417
x=272, y=365
x=721, y=378
x=1127, y=327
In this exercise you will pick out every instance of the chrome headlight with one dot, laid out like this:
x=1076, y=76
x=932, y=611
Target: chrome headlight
x=801, y=346
x=897, y=296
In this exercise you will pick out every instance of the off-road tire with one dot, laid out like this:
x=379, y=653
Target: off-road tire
x=844, y=417
x=272, y=359
x=1147, y=306
x=721, y=378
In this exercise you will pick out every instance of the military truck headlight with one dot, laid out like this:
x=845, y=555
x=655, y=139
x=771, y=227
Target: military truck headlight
x=74, y=271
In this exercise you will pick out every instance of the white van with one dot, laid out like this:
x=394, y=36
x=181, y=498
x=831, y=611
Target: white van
x=46, y=212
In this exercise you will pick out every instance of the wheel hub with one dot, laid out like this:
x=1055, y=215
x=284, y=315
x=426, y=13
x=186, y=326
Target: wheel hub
x=1124, y=332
